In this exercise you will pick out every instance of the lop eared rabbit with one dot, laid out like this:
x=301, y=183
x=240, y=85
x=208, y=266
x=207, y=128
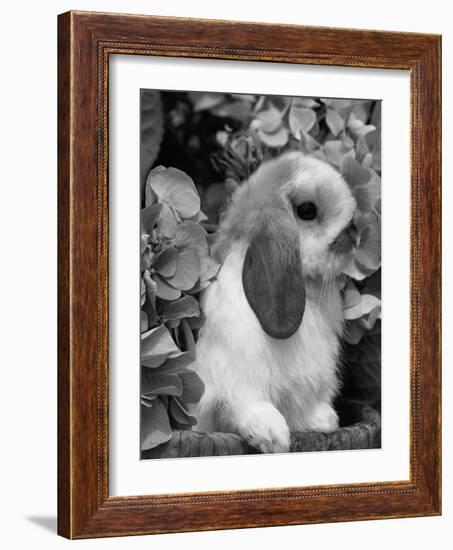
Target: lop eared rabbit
x=268, y=353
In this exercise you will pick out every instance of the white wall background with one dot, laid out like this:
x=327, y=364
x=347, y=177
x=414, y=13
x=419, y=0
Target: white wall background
x=28, y=215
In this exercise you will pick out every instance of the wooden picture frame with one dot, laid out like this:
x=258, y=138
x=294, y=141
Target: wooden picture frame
x=85, y=42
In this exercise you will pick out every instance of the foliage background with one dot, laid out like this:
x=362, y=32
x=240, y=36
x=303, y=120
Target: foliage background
x=196, y=149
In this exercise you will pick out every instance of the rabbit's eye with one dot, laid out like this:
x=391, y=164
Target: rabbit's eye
x=307, y=211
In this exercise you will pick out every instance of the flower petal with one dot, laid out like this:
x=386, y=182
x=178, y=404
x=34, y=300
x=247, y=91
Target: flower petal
x=193, y=387
x=156, y=345
x=187, y=270
x=186, y=306
x=180, y=413
x=334, y=121
x=367, y=303
x=175, y=188
x=160, y=383
x=270, y=120
x=165, y=262
x=166, y=291
x=155, y=426
x=149, y=217
x=301, y=119
x=276, y=139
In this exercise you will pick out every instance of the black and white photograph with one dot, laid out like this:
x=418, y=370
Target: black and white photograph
x=260, y=274
x=227, y=250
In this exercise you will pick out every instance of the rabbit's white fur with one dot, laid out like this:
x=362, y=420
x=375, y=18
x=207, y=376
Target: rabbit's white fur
x=255, y=385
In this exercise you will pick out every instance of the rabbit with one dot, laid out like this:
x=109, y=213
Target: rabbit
x=268, y=353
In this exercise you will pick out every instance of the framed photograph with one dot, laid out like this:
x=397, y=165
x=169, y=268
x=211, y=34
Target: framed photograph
x=249, y=275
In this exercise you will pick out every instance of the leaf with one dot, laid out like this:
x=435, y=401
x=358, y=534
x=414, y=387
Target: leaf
x=167, y=222
x=369, y=252
x=187, y=270
x=192, y=235
x=351, y=296
x=152, y=129
x=165, y=291
x=178, y=363
x=276, y=139
x=142, y=292
x=362, y=109
x=358, y=127
x=334, y=121
x=367, y=303
x=187, y=306
x=249, y=98
x=210, y=269
x=147, y=400
x=160, y=383
x=222, y=137
x=320, y=154
x=150, y=196
x=198, y=287
x=305, y=102
x=197, y=322
x=301, y=120
x=365, y=130
x=180, y=413
x=203, y=101
x=364, y=184
x=193, y=387
x=149, y=217
x=155, y=426
x=367, y=321
x=374, y=188
x=199, y=218
x=361, y=148
x=215, y=195
x=145, y=260
x=144, y=323
x=373, y=141
x=150, y=311
x=373, y=284
x=156, y=345
x=362, y=375
x=353, y=332
x=338, y=104
x=367, y=258
x=165, y=262
x=148, y=301
x=269, y=121
x=354, y=173
x=144, y=241
x=188, y=336
x=150, y=287
x=310, y=145
x=336, y=151
x=239, y=110
x=367, y=160
x=175, y=188
x=347, y=141
x=354, y=271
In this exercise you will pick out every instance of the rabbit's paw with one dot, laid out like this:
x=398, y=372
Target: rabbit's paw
x=264, y=427
x=323, y=418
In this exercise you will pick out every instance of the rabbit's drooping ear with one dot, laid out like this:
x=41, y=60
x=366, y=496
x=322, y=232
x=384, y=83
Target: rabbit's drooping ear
x=272, y=277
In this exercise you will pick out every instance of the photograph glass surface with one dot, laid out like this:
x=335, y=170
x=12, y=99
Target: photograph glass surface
x=260, y=273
